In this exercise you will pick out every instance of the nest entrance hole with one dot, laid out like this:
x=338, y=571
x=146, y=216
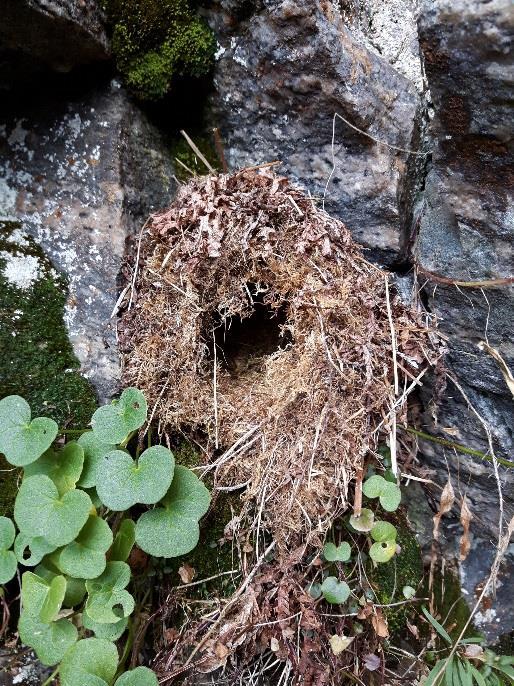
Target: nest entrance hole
x=243, y=342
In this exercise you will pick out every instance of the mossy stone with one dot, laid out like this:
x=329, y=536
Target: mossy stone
x=155, y=41
x=37, y=360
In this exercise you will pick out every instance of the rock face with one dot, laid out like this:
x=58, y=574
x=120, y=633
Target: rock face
x=80, y=176
x=55, y=34
x=466, y=234
x=466, y=228
x=281, y=76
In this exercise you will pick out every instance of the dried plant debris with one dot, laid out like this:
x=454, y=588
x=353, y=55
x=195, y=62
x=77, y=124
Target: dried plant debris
x=258, y=329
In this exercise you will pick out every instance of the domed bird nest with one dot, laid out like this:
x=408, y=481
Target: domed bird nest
x=259, y=329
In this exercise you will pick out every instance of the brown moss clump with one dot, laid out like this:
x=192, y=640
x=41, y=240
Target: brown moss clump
x=259, y=328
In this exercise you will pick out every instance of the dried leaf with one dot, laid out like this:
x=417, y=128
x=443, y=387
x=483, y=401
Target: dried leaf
x=379, y=624
x=413, y=629
x=445, y=505
x=371, y=662
x=465, y=519
x=340, y=643
x=186, y=573
x=274, y=644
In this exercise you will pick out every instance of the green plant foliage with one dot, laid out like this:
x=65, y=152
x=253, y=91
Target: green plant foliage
x=364, y=522
x=63, y=467
x=41, y=598
x=39, y=511
x=79, y=565
x=21, y=440
x=111, y=632
x=50, y=641
x=113, y=423
x=388, y=493
x=334, y=591
x=84, y=558
x=340, y=553
x=123, y=482
x=172, y=529
x=157, y=40
x=141, y=676
x=94, y=451
x=36, y=547
x=123, y=541
x=383, y=531
x=75, y=588
x=8, y=562
x=108, y=601
x=382, y=551
x=91, y=657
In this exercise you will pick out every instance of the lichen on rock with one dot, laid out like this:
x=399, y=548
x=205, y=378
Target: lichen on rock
x=156, y=41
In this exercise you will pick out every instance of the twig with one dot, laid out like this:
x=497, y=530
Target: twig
x=203, y=581
x=485, y=283
x=198, y=152
x=184, y=166
x=215, y=392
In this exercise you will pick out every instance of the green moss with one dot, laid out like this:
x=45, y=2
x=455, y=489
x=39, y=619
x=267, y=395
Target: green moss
x=182, y=151
x=155, y=41
x=37, y=360
x=405, y=569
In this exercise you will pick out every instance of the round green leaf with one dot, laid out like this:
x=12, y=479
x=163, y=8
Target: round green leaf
x=22, y=441
x=334, y=591
x=113, y=423
x=140, y=676
x=41, y=598
x=383, y=551
x=94, y=450
x=390, y=497
x=123, y=482
x=111, y=632
x=340, y=553
x=75, y=588
x=63, y=467
x=107, y=602
x=373, y=486
x=39, y=511
x=91, y=657
x=408, y=592
x=30, y=550
x=8, y=566
x=364, y=522
x=172, y=528
x=7, y=533
x=50, y=641
x=84, y=558
x=383, y=531
x=123, y=541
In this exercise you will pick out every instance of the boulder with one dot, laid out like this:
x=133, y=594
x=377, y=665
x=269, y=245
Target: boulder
x=81, y=175
x=282, y=73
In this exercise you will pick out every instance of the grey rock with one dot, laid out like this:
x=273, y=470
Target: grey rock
x=81, y=176
x=466, y=233
x=281, y=76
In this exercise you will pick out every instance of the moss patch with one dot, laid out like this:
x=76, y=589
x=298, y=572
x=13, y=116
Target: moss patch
x=155, y=41
x=37, y=359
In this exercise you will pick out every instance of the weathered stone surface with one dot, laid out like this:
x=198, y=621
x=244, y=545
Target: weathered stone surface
x=57, y=34
x=81, y=175
x=281, y=75
x=467, y=229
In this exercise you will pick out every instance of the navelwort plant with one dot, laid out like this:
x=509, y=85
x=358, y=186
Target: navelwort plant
x=75, y=597
x=380, y=534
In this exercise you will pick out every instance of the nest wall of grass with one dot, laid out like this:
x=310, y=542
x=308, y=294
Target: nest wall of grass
x=300, y=392
x=259, y=329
